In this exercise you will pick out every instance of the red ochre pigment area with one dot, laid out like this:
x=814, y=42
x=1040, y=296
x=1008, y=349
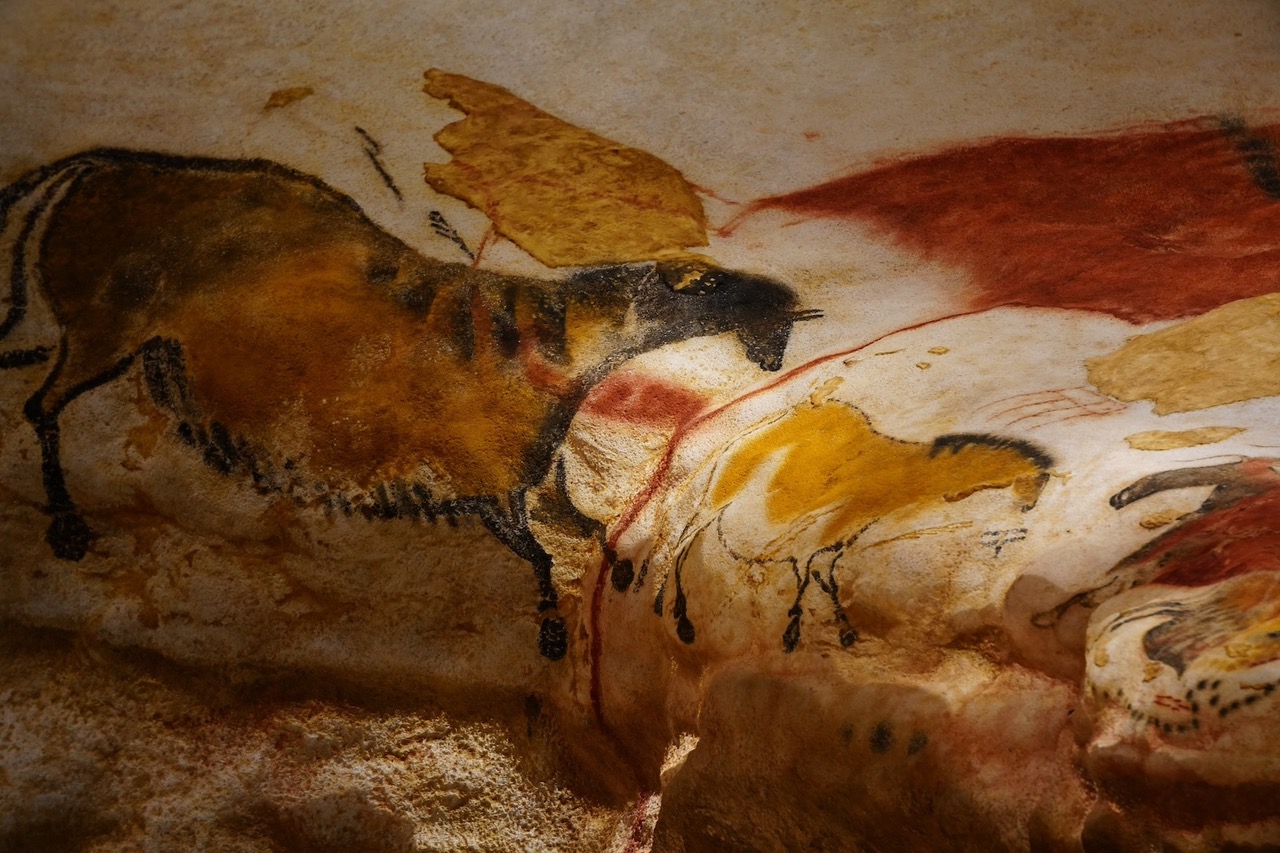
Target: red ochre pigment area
x=1241, y=539
x=642, y=401
x=1150, y=225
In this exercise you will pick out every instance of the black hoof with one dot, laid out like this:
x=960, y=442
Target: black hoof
x=791, y=636
x=848, y=637
x=69, y=537
x=621, y=575
x=685, y=631
x=553, y=639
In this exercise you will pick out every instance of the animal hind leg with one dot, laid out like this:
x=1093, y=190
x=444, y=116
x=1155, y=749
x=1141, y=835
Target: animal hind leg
x=69, y=535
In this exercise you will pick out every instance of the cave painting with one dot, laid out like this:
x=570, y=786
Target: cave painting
x=1042, y=516
x=299, y=344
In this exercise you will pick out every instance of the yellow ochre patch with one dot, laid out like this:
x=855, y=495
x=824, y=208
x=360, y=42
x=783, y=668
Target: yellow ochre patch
x=565, y=195
x=1227, y=355
x=834, y=462
x=1159, y=439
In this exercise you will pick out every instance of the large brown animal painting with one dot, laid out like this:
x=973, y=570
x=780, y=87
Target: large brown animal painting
x=297, y=343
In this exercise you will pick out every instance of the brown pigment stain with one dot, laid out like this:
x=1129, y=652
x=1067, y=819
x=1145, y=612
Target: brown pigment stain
x=1230, y=354
x=1144, y=225
x=923, y=532
x=285, y=97
x=833, y=462
x=1160, y=439
x=565, y=195
x=1233, y=630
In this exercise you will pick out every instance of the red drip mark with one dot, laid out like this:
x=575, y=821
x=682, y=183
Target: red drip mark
x=1147, y=225
x=709, y=193
x=484, y=244
x=636, y=840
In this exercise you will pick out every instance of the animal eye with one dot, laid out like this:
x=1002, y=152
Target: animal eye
x=382, y=272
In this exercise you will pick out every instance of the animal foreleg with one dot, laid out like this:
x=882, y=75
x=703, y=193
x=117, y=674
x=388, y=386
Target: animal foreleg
x=829, y=585
x=513, y=531
x=791, y=636
x=69, y=535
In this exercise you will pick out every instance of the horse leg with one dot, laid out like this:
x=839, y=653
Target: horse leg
x=848, y=634
x=69, y=535
x=513, y=531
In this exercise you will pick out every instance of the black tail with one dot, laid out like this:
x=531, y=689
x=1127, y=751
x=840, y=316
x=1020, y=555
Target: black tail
x=49, y=181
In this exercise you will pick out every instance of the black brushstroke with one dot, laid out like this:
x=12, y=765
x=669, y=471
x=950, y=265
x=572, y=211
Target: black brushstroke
x=881, y=739
x=442, y=227
x=955, y=442
x=25, y=357
x=373, y=150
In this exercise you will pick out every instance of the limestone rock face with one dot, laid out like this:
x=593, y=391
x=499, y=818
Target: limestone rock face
x=932, y=506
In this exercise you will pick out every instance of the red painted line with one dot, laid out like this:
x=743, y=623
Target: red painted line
x=636, y=839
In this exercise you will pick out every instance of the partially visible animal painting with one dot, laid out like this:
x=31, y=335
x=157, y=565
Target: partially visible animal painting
x=297, y=343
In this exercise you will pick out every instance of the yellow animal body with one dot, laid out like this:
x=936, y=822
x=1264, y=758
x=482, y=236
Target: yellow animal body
x=834, y=465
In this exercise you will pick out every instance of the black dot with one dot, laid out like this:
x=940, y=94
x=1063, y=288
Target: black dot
x=1195, y=707
x=1222, y=712
x=622, y=574
x=1202, y=684
x=1216, y=683
x=881, y=737
x=1250, y=700
x=684, y=630
x=918, y=741
x=1213, y=701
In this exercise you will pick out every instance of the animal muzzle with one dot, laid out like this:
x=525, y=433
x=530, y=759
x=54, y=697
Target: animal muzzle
x=766, y=344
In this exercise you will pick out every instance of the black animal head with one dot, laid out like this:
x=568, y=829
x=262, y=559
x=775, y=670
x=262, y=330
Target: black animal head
x=694, y=299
